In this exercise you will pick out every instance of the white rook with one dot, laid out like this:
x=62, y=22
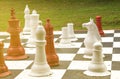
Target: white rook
x=40, y=66
x=64, y=37
x=71, y=32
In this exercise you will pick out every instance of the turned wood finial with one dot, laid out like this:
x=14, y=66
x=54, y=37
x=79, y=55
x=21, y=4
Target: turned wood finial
x=13, y=13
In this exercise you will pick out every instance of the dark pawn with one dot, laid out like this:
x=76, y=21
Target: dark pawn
x=52, y=57
x=99, y=25
x=3, y=68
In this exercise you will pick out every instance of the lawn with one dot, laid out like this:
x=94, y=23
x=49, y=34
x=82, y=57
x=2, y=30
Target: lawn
x=62, y=12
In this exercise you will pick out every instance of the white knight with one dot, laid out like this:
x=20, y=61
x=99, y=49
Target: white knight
x=91, y=37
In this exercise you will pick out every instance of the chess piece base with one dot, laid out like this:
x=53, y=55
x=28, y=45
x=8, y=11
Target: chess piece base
x=89, y=73
x=5, y=74
x=52, y=64
x=16, y=57
x=40, y=75
x=38, y=70
x=53, y=60
x=101, y=33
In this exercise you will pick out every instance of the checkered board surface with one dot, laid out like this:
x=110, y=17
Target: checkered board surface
x=72, y=64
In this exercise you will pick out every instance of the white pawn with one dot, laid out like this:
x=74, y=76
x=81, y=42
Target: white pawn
x=27, y=27
x=65, y=36
x=97, y=66
x=34, y=19
x=40, y=66
x=71, y=32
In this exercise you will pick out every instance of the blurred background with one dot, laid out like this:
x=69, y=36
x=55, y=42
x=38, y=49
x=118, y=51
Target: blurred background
x=62, y=12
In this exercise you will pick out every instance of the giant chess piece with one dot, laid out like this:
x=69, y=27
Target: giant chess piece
x=65, y=39
x=52, y=57
x=34, y=23
x=15, y=50
x=97, y=66
x=3, y=68
x=40, y=66
x=99, y=25
x=91, y=37
x=27, y=27
x=71, y=32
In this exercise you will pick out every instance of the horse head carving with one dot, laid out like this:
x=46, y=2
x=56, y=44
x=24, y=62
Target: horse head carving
x=91, y=26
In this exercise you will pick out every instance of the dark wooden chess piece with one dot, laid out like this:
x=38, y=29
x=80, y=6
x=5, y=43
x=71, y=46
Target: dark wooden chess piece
x=52, y=57
x=15, y=50
x=99, y=25
x=3, y=68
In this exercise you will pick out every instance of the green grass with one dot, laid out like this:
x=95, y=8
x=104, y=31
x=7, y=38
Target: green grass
x=63, y=11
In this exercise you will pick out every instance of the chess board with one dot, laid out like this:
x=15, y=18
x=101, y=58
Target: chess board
x=72, y=64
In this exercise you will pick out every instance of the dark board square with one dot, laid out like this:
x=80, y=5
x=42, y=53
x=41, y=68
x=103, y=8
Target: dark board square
x=109, y=35
x=116, y=50
x=67, y=50
x=107, y=44
x=80, y=40
x=62, y=65
x=116, y=39
x=117, y=31
x=13, y=74
x=80, y=32
x=56, y=36
x=83, y=45
x=115, y=65
x=108, y=57
x=3, y=37
x=80, y=57
x=78, y=74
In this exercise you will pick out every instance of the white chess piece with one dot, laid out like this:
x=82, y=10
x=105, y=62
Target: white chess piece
x=34, y=20
x=65, y=36
x=97, y=66
x=40, y=66
x=91, y=37
x=71, y=32
x=27, y=27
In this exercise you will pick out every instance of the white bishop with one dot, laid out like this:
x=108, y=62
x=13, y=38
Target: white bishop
x=40, y=66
